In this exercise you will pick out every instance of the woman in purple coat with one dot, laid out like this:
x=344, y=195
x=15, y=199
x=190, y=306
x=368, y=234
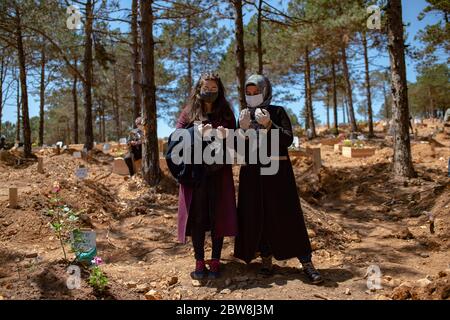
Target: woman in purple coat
x=211, y=204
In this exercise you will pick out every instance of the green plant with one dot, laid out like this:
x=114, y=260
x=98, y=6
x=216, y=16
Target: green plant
x=63, y=219
x=359, y=144
x=347, y=143
x=97, y=279
x=334, y=131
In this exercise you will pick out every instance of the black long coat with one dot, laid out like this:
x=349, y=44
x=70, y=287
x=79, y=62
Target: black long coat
x=269, y=206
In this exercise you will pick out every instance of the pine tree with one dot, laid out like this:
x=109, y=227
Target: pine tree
x=400, y=110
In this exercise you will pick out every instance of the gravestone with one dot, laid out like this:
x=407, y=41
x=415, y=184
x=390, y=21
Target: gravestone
x=81, y=172
x=40, y=167
x=362, y=137
x=351, y=152
x=78, y=146
x=3, y=154
x=122, y=141
x=316, y=158
x=296, y=142
x=106, y=147
x=120, y=167
x=338, y=148
x=13, y=198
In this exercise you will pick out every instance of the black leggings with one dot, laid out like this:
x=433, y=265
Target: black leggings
x=201, y=216
x=198, y=240
x=129, y=160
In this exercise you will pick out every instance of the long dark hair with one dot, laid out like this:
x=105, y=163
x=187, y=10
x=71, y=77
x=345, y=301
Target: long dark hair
x=221, y=107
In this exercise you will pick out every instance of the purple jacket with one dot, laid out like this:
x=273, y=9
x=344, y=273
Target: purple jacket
x=226, y=213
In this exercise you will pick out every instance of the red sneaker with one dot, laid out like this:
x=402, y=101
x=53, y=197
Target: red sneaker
x=200, y=270
x=214, y=269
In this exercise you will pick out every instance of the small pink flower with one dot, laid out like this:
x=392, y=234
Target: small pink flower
x=97, y=261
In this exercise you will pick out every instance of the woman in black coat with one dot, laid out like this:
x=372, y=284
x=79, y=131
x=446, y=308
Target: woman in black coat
x=270, y=219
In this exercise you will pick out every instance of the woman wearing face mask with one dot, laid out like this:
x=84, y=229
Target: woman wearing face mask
x=270, y=219
x=211, y=204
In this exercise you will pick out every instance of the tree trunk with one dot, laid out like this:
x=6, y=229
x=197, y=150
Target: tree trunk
x=305, y=112
x=150, y=154
x=23, y=88
x=18, y=99
x=259, y=40
x=343, y=113
x=400, y=112
x=344, y=109
x=239, y=52
x=98, y=114
x=348, y=88
x=68, y=131
x=335, y=106
x=136, y=63
x=430, y=97
x=88, y=130
x=116, y=106
x=75, y=106
x=306, y=104
x=369, y=97
x=328, y=108
x=103, y=122
x=42, y=98
x=386, y=107
x=308, y=97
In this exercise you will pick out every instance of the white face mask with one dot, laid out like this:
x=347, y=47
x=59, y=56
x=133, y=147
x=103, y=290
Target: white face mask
x=254, y=101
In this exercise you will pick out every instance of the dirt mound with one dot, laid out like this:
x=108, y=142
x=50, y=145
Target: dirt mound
x=324, y=231
x=301, y=162
x=48, y=281
x=16, y=158
x=423, y=151
x=430, y=288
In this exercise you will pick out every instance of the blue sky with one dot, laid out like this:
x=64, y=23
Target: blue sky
x=411, y=9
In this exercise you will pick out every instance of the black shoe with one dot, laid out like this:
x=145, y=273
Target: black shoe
x=200, y=271
x=312, y=273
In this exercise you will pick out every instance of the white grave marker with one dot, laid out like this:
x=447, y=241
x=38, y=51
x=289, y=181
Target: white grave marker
x=106, y=147
x=123, y=141
x=296, y=142
x=77, y=155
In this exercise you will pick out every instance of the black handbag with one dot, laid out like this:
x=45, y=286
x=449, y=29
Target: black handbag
x=186, y=174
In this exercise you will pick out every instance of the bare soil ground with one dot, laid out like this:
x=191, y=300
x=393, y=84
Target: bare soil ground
x=357, y=215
